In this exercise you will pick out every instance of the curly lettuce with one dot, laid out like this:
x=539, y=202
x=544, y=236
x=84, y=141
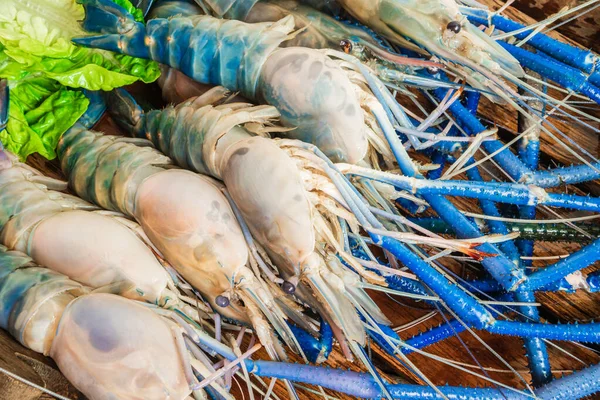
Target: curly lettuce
x=43, y=67
x=40, y=111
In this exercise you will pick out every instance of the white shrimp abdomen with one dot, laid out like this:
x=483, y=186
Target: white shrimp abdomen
x=265, y=184
x=111, y=348
x=190, y=221
x=314, y=95
x=97, y=251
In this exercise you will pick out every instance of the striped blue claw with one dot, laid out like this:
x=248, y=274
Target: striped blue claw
x=564, y=75
x=510, y=163
x=316, y=350
x=582, y=59
x=545, y=232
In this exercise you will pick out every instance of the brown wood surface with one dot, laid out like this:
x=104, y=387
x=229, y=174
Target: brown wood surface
x=561, y=307
x=584, y=30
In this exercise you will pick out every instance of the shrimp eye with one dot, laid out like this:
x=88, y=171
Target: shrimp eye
x=346, y=46
x=222, y=301
x=288, y=287
x=454, y=26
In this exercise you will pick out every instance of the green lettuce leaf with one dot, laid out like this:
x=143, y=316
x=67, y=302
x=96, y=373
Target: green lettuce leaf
x=137, y=14
x=40, y=111
x=43, y=67
x=35, y=38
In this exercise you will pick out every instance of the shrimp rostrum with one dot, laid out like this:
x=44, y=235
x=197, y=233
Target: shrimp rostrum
x=325, y=103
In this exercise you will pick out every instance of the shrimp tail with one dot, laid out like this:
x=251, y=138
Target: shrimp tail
x=118, y=30
x=123, y=108
x=104, y=16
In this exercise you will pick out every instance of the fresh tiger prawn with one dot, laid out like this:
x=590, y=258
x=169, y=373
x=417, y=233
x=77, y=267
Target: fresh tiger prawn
x=325, y=104
x=434, y=27
x=93, y=337
x=316, y=30
x=298, y=228
x=447, y=31
x=108, y=254
x=185, y=215
x=437, y=26
x=319, y=31
x=236, y=157
x=440, y=28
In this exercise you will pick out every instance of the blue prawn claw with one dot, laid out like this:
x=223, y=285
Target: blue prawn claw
x=315, y=350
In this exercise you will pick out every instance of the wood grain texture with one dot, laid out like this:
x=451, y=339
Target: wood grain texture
x=584, y=30
x=555, y=306
x=31, y=367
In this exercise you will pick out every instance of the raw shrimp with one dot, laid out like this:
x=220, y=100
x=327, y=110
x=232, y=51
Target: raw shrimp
x=298, y=226
x=323, y=102
x=185, y=215
x=65, y=234
x=93, y=338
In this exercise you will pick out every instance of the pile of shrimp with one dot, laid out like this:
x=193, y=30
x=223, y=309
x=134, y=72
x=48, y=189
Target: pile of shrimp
x=327, y=183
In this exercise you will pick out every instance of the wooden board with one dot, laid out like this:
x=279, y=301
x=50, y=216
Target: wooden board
x=555, y=306
x=584, y=30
